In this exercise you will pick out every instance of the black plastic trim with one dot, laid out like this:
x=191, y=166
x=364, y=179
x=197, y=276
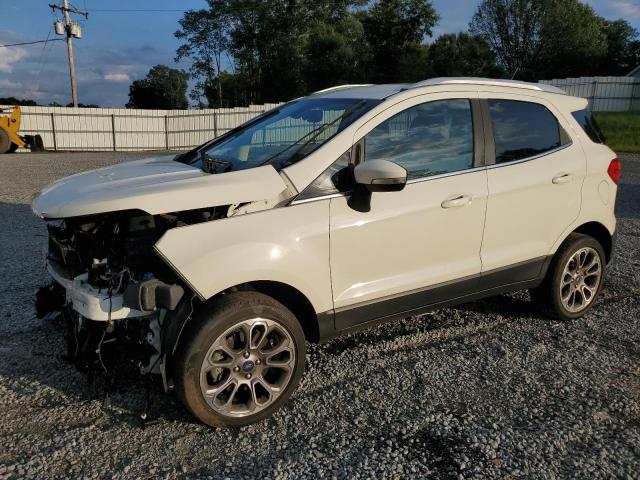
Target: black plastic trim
x=518, y=272
x=354, y=315
x=528, y=274
x=326, y=325
x=614, y=244
x=478, y=133
x=489, y=141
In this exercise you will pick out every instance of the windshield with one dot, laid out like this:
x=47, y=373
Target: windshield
x=282, y=136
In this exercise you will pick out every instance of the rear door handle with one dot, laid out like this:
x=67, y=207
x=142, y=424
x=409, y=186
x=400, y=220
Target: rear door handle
x=562, y=178
x=456, y=201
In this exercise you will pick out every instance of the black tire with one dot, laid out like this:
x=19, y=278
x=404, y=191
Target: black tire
x=38, y=144
x=5, y=141
x=547, y=296
x=208, y=325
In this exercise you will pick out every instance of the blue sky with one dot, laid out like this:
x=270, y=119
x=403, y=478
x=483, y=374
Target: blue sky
x=118, y=47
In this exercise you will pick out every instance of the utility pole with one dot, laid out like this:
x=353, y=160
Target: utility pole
x=71, y=30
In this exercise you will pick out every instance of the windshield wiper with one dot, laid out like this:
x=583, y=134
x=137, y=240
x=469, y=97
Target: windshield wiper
x=313, y=134
x=211, y=164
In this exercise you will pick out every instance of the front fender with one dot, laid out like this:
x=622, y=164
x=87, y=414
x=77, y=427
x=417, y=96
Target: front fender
x=288, y=245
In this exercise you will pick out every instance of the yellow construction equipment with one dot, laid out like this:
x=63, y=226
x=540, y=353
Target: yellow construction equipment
x=10, y=140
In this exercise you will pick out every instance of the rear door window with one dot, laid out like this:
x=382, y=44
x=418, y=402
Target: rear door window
x=522, y=129
x=589, y=125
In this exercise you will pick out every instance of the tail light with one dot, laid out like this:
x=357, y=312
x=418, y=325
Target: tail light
x=614, y=170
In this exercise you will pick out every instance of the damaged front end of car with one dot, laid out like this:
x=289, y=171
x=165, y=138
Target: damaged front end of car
x=109, y=284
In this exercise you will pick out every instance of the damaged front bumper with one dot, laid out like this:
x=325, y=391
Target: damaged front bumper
x=94, y=318
x=111, y=290
x=90, y=302
x=138, y=300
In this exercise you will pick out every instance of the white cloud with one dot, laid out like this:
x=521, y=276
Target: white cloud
x=630, y=9
x=117, y=77
x=6, y=83
x=10, y=56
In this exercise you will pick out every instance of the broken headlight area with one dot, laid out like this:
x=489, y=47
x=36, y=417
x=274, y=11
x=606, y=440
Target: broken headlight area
x=111, y=286
x=110, y=250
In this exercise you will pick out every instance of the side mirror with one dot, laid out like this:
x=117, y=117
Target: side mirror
x=380, y=176
x=375, y=176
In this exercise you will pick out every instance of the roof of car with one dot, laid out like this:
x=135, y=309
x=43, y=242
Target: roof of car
x=363, y=91
x=385, y=90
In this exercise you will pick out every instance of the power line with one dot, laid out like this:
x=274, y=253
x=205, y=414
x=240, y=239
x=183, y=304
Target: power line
x=30, y=43
x=134, y=10
x=35, y=84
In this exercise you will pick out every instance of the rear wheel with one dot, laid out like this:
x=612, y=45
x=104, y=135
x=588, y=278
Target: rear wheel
x=240, y=360
x=574, y=278
x=5, y=141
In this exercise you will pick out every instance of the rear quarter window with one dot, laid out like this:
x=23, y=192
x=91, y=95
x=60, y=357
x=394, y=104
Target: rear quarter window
x=589, y=125
x=523, y=129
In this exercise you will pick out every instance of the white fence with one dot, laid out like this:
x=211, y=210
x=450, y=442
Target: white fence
x=120, y=129
x=605, y=94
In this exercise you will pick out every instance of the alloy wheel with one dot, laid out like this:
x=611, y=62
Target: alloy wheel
x=247, y=367
x=580, y=279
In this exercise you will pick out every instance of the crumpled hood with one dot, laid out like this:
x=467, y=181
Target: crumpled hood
x=154, y=185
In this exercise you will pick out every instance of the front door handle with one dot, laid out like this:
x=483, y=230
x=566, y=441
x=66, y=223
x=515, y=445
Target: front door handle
x=562, y=178
x=456, y=201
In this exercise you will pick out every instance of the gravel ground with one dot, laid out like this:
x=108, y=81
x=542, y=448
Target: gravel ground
x=484, y=390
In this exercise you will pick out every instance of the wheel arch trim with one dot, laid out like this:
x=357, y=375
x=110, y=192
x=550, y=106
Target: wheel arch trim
x=595, y=229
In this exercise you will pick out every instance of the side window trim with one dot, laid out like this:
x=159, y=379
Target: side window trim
x=489, y=139
x=479, y=141
x=490, y=146
x=528, y=159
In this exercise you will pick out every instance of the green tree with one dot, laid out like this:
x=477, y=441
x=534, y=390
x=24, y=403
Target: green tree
x=535, y=39
x=267, y=44
x=334, y=54
x=573, y=41
x=395, y=31
x=17, y=101
x=276, y=50
x=205, y=34
x=281, y=49
x=163, y=88
x=84, y=105
x=623, y=48
x=513, y=30
x=461, y=55
x=233, y=92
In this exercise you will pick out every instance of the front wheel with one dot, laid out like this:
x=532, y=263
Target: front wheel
x=574, y=278
x=239, y=360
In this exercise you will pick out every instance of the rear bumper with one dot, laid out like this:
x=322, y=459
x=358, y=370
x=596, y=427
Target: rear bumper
x=90, y=302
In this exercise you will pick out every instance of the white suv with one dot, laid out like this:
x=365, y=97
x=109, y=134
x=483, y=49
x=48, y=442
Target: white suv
x=333, y=212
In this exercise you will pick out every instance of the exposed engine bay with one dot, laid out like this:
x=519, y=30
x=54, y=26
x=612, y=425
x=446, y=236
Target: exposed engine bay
x=111, y=286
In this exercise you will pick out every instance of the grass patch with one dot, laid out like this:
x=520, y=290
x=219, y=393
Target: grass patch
x=621, y=129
